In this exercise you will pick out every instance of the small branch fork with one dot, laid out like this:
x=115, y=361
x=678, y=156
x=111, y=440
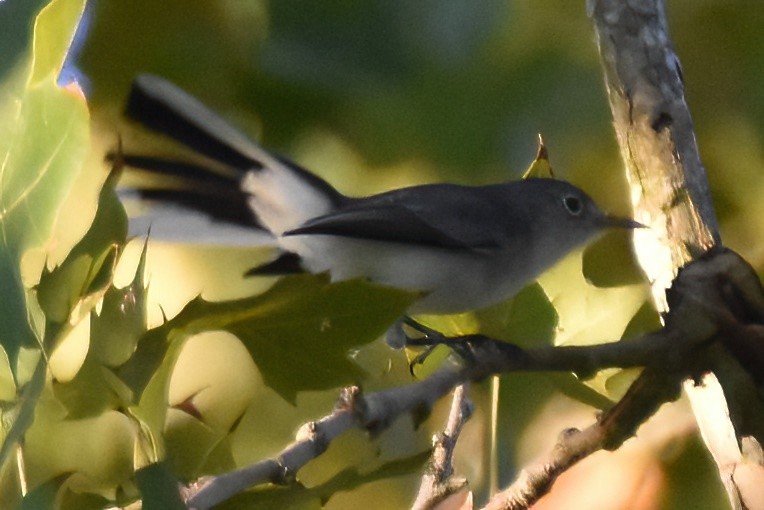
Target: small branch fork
x=438, y=481
x=717, y=301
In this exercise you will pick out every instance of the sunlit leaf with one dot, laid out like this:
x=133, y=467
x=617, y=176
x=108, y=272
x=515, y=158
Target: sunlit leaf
x=97, y=451
x=540, y=168
x=121, y=320
x=151, y=410
x=299, y=332
x=190, y=443
x=589, y=314
x=53, y=35
x=57, y=493
x=18, y=416
x=83, y=277
x=93, y=390
x=44, y=136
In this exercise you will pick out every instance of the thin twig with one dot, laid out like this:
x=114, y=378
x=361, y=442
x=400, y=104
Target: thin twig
x=376, y=411
x=438, y=481
x=677, y=351
x=651, y=389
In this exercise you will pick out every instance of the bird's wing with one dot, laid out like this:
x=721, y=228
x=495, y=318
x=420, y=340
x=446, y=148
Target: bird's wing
x=439, y=215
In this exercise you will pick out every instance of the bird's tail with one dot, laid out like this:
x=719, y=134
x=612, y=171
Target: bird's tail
x=243, y=184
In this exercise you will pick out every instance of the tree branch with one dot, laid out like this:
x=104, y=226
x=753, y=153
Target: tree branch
x=438, y=482
x=652, y=122
x=652, y=388
x=668, y=183
x=670, y=355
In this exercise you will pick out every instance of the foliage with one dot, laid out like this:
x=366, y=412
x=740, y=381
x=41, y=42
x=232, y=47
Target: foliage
x=108, y=372
x=372, y=94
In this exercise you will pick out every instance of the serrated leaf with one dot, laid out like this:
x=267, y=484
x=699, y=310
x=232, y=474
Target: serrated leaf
x=85, y=275
x=44, y=136
x=121, y=321
x=298, y=332
x=190, y=443
x=528, y=320
x=151, y=411
x=97, y=450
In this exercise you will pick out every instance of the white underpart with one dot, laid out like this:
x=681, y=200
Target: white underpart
x=454, y=281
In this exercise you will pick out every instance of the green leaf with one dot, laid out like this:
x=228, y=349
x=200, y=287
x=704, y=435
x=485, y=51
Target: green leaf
x=53, y=34
x=159, y=488
x=84, y=276
x=44, y=137
x=17, y=417
x=17, y=32
x=297, y=496
x=121, y=321
x=299, y=332
x=190, y=442
x=57, y=493
x=151, y=411
x=93, y=390
x=68, y=294
x=528, y=320
x=590, y=314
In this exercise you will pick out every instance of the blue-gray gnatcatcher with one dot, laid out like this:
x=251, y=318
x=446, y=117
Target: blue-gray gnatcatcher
x=462, y=247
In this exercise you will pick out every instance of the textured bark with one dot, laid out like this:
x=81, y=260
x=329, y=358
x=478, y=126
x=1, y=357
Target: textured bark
x=668, y=184
x=669, y=189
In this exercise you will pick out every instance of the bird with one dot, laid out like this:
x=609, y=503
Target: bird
x=459, y=248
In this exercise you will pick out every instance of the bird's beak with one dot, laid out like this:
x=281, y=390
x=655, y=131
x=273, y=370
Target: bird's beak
x=616, y=222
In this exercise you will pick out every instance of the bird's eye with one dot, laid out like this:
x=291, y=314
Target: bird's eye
x=573, y=204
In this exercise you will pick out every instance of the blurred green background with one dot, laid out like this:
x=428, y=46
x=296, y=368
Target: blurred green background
x=379, y=94
x=450, y=90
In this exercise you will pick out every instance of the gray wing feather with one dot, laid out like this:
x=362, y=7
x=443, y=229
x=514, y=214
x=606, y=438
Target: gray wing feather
x=440, y=215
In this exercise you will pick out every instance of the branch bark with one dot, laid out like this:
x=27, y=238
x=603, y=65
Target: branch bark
x=376, y=411
x=439, y=482
x=669, y=189
x=652, y=123
x=685, y=347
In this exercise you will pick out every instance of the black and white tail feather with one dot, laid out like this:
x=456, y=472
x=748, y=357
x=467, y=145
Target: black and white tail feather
x=463, y=247
x=233, y=190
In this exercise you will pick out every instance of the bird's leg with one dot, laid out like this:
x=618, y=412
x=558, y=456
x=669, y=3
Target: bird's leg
x=462, y=345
